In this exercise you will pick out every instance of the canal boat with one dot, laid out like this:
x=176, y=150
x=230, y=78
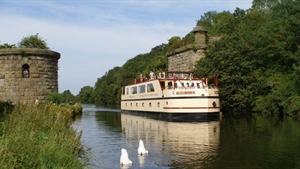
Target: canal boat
x=172, y=95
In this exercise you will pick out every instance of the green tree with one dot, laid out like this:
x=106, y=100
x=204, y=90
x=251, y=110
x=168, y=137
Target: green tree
x=33, y=41
x=208, y=22
x=282, y=60
x=85, y=94
x=55, y=97
x=107, y=88
x=264, y=5
x=68, y=97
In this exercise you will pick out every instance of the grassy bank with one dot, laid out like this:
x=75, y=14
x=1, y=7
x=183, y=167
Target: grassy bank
x=40, y=136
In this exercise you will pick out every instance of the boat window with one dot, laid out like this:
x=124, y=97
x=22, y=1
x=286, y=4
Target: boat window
x=187, y=84
x=127, y=91
x=170, y=86
x=192, y=85
x=198, y=85
x=175, y=85
x=134, y=90
x=150, y=87
x=162, y=85
x=142, y=89
x=123, y=90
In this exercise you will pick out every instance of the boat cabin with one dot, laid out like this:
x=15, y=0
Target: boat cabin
x=171, y=80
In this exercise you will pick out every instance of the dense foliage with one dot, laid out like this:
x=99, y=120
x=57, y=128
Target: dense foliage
x=256, y=57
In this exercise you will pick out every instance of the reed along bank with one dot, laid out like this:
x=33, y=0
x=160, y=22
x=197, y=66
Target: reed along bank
x=40, y=136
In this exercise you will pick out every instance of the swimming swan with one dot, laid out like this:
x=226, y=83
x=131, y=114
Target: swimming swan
x=141, y=149
x=124, y=157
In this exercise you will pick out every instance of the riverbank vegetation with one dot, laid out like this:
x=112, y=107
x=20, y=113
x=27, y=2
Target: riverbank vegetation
x=40, y=136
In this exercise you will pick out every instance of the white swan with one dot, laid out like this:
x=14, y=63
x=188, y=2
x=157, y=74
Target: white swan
x=141, y=149
x=124, y=159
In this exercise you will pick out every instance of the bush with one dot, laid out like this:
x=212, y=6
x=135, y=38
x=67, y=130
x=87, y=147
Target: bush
x=33, y=41
x=6, y=107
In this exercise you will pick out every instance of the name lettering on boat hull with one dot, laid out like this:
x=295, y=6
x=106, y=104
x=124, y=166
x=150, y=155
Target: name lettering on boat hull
x=185, y=92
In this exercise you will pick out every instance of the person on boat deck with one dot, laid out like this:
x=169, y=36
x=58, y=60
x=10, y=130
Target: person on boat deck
x=134, y=81
x=151, y=74
x=145, y=79
x=174, y=76
x=159, y=75
x=141, y=78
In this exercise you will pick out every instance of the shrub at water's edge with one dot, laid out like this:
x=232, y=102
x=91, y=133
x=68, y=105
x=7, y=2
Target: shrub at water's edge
x=41, y=136
x=5, y=107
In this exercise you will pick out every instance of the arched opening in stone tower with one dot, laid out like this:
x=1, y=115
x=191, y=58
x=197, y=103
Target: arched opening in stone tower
x=25, y=71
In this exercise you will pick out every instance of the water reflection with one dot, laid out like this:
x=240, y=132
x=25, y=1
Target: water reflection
x=170, y=144
x=183, y=144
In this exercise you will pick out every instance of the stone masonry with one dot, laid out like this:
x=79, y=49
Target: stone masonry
x=184, y=58
x=28, y=74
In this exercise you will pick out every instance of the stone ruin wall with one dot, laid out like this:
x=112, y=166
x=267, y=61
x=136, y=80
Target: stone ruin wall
x=43, y=74
x=184, y=58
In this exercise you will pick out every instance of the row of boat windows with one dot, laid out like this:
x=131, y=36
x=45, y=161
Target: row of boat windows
x=143, y=104
x=141, y=89
x=185, y=85
x=150, y=88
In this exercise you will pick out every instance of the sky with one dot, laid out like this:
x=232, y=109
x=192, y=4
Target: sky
x=94, y=36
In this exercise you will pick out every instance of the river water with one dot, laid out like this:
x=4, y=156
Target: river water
x=254, y=142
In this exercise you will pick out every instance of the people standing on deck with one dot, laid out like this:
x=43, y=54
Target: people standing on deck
x=151, y=74
x=159, y=75
x=174, y=76
x=145, y=79
x=141, y=78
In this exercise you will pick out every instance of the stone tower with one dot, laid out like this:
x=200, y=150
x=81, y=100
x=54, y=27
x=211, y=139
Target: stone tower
x=28, y=74
x=184, y=58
